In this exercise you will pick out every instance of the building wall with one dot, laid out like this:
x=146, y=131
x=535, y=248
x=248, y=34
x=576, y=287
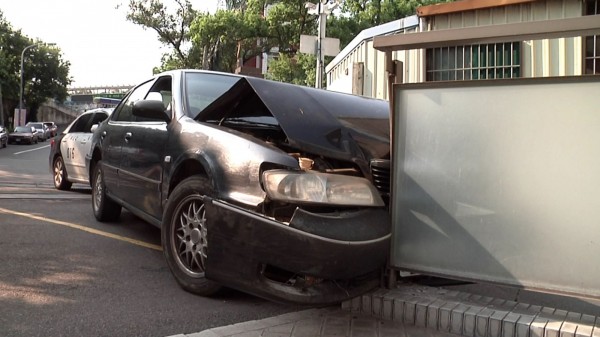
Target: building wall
x=340, y=75
x=539, y=58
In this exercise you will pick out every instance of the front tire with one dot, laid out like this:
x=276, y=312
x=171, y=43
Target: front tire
x=105, y=209
x=60, y=175
x=184, y=236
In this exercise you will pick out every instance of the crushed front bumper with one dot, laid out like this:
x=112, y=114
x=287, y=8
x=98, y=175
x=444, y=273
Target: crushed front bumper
x=343, y=252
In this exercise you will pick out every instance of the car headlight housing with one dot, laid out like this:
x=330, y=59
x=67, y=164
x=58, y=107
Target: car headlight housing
x=320, y=188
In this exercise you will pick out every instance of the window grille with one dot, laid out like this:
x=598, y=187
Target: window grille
x=474, y=62
x=592, y=43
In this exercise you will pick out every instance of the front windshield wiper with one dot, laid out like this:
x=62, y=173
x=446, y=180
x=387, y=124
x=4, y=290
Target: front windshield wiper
x=243, y=121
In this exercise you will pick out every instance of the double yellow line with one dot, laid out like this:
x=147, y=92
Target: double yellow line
x=83, y=228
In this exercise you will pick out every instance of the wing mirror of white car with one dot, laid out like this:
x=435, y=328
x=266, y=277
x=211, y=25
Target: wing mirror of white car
x=94, y=127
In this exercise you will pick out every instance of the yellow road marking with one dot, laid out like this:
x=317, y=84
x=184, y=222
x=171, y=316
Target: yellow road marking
x=85, y=229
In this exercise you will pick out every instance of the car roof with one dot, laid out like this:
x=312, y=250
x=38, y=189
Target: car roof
x=107, y=110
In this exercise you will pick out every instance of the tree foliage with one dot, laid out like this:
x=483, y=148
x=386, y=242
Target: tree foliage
x=226, y=39
x=171, y=26
x=45, y=73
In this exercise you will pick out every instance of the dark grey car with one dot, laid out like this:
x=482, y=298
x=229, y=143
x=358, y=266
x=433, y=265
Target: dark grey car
x=271, y=188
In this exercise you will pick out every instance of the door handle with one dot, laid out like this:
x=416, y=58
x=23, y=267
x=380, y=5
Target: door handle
x=127, y=136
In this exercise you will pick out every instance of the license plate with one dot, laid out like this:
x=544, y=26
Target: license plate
x=18, y=140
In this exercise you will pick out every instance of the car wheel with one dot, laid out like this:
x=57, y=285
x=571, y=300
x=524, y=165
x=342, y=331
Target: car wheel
x=60, y=175
x=105, y=209
x=184, y=236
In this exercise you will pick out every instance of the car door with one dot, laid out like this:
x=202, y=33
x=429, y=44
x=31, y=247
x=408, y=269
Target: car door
x=142, y=158
x=113, y=137
x=71, y=148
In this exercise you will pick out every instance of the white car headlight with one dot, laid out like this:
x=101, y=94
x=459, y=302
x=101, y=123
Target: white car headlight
x=321, y=188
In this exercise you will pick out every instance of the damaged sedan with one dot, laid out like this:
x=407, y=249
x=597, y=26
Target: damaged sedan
x=274, y=189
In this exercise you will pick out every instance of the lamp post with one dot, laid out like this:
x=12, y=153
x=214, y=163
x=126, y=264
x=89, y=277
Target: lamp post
x=18, y=122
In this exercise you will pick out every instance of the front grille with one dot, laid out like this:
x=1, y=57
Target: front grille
x=380, y=170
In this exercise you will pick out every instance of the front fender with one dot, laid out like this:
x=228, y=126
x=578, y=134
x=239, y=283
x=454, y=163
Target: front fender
x=232, y=161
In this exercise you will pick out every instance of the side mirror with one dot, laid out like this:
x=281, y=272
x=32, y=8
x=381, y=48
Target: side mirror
x=151, y=109
x=93, y=128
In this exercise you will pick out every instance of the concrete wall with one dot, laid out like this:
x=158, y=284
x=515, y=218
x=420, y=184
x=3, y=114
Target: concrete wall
x=55, y=113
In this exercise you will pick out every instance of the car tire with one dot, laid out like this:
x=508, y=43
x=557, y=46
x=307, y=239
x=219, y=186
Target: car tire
x=184, y=233
x=60, y=175
x=105, y=209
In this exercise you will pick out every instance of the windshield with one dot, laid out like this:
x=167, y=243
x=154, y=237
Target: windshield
x=201, y=89
x=22, y=129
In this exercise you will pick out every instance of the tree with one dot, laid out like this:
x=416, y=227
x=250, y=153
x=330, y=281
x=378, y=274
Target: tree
x=172, y=28
x=226, y=39
x=228, y=36
x=45, y=73
x=370, y=13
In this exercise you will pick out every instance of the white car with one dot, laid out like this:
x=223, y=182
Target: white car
x=42, y=130
x=68, y=149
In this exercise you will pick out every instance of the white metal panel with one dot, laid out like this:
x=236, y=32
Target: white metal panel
x=380, y=75
x=369, y=69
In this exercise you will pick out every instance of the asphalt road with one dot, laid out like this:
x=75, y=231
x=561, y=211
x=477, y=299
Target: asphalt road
x=62, y=273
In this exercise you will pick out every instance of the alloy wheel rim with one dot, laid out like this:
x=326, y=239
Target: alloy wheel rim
x=189, y=237
x=98, y=189
x=58, y=173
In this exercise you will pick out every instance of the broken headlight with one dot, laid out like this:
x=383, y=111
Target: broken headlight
x=320, y=188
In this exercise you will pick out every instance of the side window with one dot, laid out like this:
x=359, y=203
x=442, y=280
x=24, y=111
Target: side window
x=98, y=118
x=81, y=123
x=123, y=114
x=160, y=91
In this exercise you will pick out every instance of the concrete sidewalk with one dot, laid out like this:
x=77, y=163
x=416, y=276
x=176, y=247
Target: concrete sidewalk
x=414, y=310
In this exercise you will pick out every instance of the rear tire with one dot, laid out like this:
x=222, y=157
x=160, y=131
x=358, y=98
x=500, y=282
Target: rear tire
x=105, y=209
x=60, y=175
x=184, y=236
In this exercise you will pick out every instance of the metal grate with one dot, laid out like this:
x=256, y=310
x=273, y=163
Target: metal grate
x=474, y=62
x=592, y=43
x=380, y=170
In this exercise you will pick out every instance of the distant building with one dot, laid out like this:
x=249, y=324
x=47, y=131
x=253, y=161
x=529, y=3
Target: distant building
x=84, y=98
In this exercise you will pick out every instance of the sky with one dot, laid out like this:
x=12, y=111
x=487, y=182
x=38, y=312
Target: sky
x=104, y=49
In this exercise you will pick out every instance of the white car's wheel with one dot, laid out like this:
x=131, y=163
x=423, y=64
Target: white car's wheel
x=60, y=175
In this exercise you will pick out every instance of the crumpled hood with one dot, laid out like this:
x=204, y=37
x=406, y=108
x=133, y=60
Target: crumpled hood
x=322, y=122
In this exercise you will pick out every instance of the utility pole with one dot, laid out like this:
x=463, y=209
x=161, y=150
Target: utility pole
x=1, y=107
x=320, y=35
x=322, y=9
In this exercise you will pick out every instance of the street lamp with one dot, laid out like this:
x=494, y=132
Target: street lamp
x=18, y=122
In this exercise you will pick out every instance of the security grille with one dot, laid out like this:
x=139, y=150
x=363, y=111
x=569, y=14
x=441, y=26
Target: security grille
x=592, y=43
x=474, y=62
